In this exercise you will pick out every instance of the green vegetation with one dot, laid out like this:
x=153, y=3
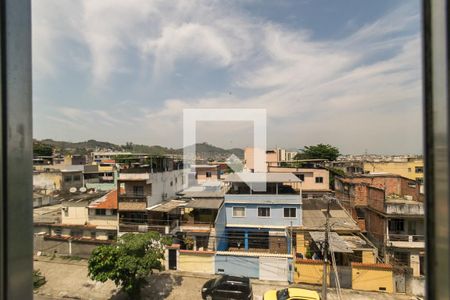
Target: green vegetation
x=129, y=261
x=38, y=279
x=42, y=149
x=320, y=151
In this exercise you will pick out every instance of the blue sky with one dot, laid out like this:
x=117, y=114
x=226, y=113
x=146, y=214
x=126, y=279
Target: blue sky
x=346, y=73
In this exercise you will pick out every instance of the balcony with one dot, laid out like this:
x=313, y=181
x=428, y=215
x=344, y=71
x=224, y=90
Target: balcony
x=406, y=241
x=162, y=229
x=411, y=208
x=191, y=226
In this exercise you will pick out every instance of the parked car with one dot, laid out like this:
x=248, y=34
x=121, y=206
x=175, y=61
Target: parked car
x=291, y=294
x=228, y=288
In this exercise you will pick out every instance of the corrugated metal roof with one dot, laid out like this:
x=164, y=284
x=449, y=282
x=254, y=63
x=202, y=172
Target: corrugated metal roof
x=337, y=244
x=210, y=203
x=262, y=177
x=167, y=206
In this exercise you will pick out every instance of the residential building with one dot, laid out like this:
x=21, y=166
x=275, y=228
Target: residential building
x=389, y=209
x=412, y=168
x=74, y=159
x=72, y=177
x=346, y=238
x=143, y=187
x=396, y=226
x=204, y=173
x=192, y=215
x=87, y=216
x=314, y=182
x=107, y=155
x=258, y=219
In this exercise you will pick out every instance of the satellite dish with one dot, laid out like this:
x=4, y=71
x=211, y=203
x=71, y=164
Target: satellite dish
x=73, y=189
x=83, y=189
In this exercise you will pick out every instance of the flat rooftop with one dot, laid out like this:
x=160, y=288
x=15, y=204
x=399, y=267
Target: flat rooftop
x=261, y=177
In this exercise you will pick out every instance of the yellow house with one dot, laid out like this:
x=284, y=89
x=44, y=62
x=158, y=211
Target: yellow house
x=412, y=169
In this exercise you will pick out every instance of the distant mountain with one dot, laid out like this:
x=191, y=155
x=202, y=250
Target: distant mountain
x=203, y=150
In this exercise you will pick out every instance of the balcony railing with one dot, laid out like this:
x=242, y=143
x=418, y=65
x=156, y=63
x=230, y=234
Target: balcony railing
x=405, y=209
x=406, y=241
x=130, y=197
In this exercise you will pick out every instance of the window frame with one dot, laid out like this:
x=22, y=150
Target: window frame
x=289, y=208
x=234, y=216
x=264, y=207
x=320, y=178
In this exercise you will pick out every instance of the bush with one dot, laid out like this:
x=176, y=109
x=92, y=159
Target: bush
x=38, y=279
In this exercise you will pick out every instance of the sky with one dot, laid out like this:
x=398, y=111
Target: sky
x=346, y=73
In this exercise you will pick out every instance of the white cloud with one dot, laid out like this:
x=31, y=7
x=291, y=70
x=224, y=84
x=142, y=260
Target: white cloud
x=307, y=86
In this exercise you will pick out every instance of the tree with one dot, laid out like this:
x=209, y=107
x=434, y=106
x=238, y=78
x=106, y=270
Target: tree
x=320, y=151
x=129, y=261
x=41, y=149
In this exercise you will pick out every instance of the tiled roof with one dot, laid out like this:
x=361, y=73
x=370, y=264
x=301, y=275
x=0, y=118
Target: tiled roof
x=108, y=201
x=374, y=266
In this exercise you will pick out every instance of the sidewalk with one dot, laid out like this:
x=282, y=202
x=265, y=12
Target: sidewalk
x=68, y=279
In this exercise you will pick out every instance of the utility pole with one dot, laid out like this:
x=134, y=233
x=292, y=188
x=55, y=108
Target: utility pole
x=325, y=253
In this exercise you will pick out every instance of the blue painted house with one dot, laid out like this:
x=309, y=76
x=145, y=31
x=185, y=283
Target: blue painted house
x=257, y=213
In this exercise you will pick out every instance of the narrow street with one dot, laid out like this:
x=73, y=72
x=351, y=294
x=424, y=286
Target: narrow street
x=68, y=279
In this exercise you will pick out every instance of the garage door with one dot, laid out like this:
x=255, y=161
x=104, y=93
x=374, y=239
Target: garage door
x=273, y=268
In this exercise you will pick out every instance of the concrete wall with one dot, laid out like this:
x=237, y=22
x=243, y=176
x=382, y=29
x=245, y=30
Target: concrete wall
x=107, y=221
x=196, y=261
x=251, y=215
x=77, y=213
x=372, y=277
x=63, y=247
x=47, y=180
x=165, y=185
x=405, y=169
x=309, y=271
x=237, y=265
x=310, y=175
x=368, y=257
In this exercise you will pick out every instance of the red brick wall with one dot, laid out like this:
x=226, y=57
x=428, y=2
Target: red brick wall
x=376, y=198
x=391, y=185
x=376, y=227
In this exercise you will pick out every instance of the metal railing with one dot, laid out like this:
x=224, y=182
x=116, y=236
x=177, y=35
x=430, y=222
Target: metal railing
x=405, y=238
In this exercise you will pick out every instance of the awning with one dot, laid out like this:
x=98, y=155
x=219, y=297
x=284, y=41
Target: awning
x=211, y=203
x=337, y=244
x=167, y=206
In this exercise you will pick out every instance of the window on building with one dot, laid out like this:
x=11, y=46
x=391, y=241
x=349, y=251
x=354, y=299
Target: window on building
x=100, y=212
x=208, y=174
x=114, y=212
x=401, y=258
x=77, y=233
x=419, y=169
x=111, y=236
x=93, y=235
x=58, y=231
x=238, y=211
x=412, y=184
x=300, y=176
x=67, y=178
x=290, y=212
x=66, y=211
x=76, y=177
x=419, y=180
x=171, y=183
x=138, y=190
x=396, y=225
x=319, y=179
x=263, y=211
